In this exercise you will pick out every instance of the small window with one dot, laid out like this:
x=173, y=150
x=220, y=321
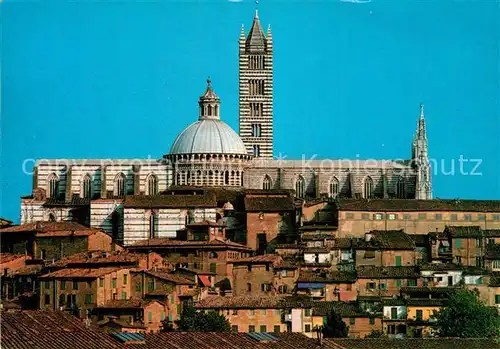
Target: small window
x=308, y=312
x=263, y=328
x=235, y=311
x=378, y=216
x=251, y=312
x=63, y=285
x=101, y=282
x=263, y=311
x=75, y=285
x=47, y=284
x=482, y=217
x=113, y=283
x=251, y=328
x=453, y=217
x=497, y=299
x=467, y=217
x=47, y=299
x=422, y=216
x=438, y=216
x=371, y=286
x=372, y=321
x=407, y=217
x=352, y=321
x=213, y=268
x=150, y=316
x=382, y=286
x=276, y=329
x=399, y=283
x=393, y=216
x=412, y=283
x=88, y=299
x=365, y=216
x=234, y=328
x=307, y=328
x=349, y=215
x=458, y=243
x=249, y=287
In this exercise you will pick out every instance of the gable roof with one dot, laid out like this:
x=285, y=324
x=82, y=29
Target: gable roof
x=79, y=273
x=388, y=239
x=45, y=227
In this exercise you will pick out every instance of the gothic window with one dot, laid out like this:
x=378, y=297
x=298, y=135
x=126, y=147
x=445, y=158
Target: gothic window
x=153, y=225
x=152, y=185
x=300, y=187
x=368, y=188
x=241, y=179
x=256, y=130
x=216, y=110
x=209, y=110
x=256, y=150
x=256, y=62
x=267, y=184
x=120, y=182
x=201, y=111
x=256, y=87
x=226, y=178
x=86, y=187
x=400, y=188
x=334, y=187
x=53, y=186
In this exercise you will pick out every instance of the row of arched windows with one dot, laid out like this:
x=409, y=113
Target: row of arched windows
x=86, y=186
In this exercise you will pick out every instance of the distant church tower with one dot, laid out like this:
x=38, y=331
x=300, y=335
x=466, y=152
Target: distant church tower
x=420, y=158
x=256, y=90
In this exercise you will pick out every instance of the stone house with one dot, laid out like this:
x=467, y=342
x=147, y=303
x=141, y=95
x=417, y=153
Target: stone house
x=420, y=315
x=395, y=313
x=323, y=285
x=132, y=314
x=267, y=216
x=53, y=240
x=386, y=281
x=469, y=243
x=257, y=275
x=81, y=289
x=356, y=216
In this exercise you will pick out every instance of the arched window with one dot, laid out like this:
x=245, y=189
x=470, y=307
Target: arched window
x=209, y=110
x=241, y=178
x=120, y=182
x=300, y=187
x=152, y=184
x=368, y=188
x=267, y=183
x=216, y=111
x=62, y=300
x=400, y=188
x=226, y=178
x=53, y=181
x=86, y=187
x=334, y=187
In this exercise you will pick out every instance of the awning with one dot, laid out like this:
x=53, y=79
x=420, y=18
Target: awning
x=205, y=281
x=314, y=285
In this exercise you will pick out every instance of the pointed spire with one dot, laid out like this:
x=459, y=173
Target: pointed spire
x=256, y=40
x=268, y=35
x=421, y=111
x=421, y=134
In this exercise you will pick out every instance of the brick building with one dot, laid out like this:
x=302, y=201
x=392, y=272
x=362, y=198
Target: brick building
x=258, y=276
x=386, y=281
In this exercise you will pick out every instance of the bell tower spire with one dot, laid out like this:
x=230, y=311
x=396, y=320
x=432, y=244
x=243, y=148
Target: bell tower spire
x=256, y=89
x=420, y=160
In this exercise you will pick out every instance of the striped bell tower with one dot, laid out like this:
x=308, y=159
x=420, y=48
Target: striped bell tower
x=256, y=90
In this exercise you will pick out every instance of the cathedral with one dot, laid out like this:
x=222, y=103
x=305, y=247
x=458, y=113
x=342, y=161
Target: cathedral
x=137, y=199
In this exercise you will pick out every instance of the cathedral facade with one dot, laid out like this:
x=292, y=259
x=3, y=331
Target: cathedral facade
x=127, y=197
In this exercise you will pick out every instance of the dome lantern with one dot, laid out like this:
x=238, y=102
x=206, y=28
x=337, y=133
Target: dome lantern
x=209, y=104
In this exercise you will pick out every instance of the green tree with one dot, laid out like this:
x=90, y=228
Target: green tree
x=194, y=321
x=334, y=327
x=466, y=316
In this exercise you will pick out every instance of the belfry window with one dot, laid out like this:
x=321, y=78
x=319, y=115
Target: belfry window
x=256, y=130
x=256, y=150
x=256, y=109
x=300, y=187
x=368, y=188
x=53, y=186
x=266, y=183
x=152, y=184
x=255, y=62
x=256, y=87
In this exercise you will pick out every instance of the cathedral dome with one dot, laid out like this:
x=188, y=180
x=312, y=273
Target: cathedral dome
x=208, y=135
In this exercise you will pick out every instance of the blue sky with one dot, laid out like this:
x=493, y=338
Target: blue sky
x=120, y=79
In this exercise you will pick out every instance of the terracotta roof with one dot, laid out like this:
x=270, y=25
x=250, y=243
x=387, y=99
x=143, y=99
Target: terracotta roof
x=127, y=303
x=398, y=205
x=165, y=275
x=177, y=244
x=79, y=273
x=428, y=289
x=44, y=227
x=76, y=200
x=344, y=309
x=490, y=233
x=440, y=267
x=375, y=272
x=205, y=199
x=9, y=257
x=260, y=259
x=62, y=233
x=413, y=343
x=387, y=239
x=269, y=204
x=425, y=302
x=327, y=277
x=26, y=270
x=458, y=231
x=49, y=330
x=5, y=222
x=101, y=257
